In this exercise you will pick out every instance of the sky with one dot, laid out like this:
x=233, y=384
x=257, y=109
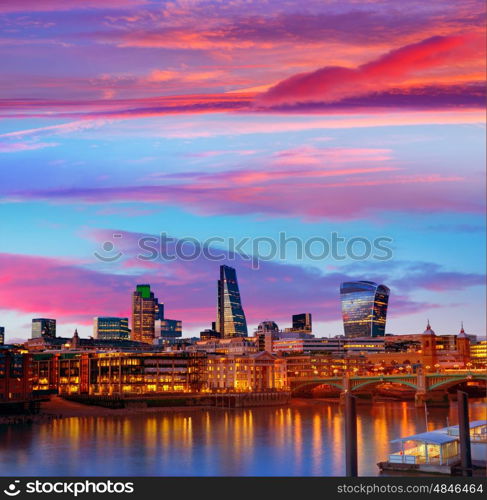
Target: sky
x=230, y=125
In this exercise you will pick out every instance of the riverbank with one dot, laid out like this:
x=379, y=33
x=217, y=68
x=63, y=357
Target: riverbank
x=63, y=408
x=58, y=408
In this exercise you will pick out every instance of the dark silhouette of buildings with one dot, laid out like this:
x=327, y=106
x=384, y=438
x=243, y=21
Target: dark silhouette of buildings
x=43, y=327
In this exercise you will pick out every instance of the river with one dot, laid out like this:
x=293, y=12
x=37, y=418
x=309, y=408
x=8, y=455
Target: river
x=303, y=439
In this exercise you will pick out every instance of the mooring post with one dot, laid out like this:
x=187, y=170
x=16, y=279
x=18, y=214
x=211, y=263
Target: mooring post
x=350, y=435
x=464, y=432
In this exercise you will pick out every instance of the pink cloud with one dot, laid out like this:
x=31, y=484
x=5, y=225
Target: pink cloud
x=330, y=84
x=14, y=147
x=8, y=6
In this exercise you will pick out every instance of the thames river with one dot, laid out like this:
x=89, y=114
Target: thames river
x=303, y=439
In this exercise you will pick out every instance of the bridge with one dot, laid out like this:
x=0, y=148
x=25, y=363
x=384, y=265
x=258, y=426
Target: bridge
x=422, y=383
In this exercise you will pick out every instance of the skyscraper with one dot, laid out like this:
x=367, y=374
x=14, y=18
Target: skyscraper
x=43, y=327
x=145, y=310
x=230, y=315
x=2, y=335
x=364, y=308
x=111, y=328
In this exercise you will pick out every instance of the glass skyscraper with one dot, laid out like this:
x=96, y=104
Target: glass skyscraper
x=364, y=308
x=231, y=320
x=43, y=327
x=145, y=311
x=111, y=328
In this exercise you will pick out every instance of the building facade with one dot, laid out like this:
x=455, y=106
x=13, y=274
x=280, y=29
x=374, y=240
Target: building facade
x=301, y=323
x=15, y=378
x=118, y=373
x=111, y=328
x=233, y=346
x=231, y=320
x=168, y=329
x=478, y=354
x=321, y=365
x=43, y=327
x=336, y=345
x=145, y=311
x=364, y=308
x=257, y=372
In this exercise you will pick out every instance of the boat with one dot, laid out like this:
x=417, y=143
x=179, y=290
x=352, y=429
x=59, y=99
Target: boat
x=437, y=451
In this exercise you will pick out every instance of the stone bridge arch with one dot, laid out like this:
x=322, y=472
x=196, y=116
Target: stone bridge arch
x=356, y=385
x=337, y=383
x=445, y=382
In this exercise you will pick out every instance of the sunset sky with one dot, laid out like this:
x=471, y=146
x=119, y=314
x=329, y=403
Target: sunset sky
x=241, y=119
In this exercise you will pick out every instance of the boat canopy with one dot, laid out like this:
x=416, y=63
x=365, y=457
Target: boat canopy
x=476, y=424
x=432, y=437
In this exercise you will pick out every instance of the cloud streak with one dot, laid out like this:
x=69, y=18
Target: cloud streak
x=307, y=182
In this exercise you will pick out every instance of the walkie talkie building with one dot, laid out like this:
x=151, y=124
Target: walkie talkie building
x=364, y=308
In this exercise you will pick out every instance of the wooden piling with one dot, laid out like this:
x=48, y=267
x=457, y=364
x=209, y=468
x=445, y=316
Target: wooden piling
x=464, y=432
x=350, y=435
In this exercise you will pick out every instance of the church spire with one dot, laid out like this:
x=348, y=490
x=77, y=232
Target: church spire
x=428, y=330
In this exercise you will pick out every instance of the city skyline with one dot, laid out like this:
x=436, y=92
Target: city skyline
x=150, y=322
x=124, y=120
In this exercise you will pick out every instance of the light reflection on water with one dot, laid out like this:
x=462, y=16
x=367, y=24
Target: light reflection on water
x=303, y=439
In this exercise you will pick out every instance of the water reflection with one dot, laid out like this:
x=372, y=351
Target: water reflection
x=303, y=439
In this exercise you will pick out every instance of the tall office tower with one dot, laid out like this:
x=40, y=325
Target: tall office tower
x=2, y=335
x=145, y=310
x=364, y=308
x=111, y=328
x=43, y=327
x=230, y=315
x=302, y=322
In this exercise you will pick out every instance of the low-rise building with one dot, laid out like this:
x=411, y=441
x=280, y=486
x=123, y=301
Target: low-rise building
x=234, y=345
x=337, y=345
x=246, y=373
x=15, y=378
x=478, y=354
x=145, y=373
x=46, y=344
x=320, y=365
x=118, y=373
